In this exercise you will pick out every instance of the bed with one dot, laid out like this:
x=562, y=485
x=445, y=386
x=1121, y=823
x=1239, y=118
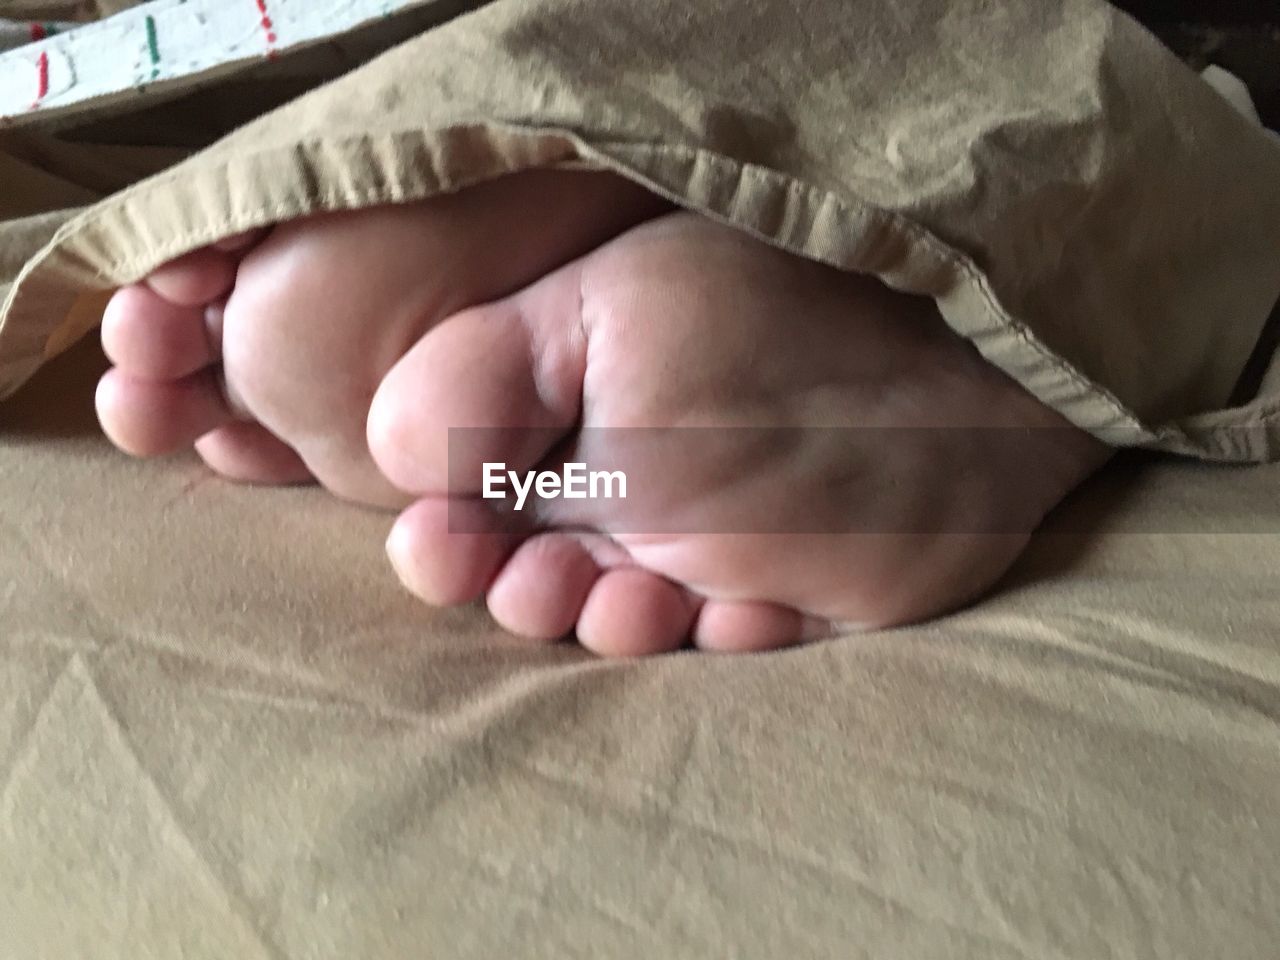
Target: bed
x=225, y=731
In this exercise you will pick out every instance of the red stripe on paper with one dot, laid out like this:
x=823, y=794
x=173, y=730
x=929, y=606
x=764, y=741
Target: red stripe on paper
x=42, y=68
x=267, y=25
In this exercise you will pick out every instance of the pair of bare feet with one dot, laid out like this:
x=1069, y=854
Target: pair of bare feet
x=342, y=348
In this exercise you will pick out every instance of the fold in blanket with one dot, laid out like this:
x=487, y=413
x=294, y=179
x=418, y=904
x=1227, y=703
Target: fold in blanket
x=1096, y=219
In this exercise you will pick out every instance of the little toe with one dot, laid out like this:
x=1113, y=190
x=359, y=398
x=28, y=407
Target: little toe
x=448, y=564
x=250, y=453
x=149, y=337
x=541, y=589
x=748, y=627
x=152, y=418
x=195, y=278
x=631, y=612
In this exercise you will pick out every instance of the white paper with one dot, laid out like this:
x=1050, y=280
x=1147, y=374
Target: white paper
x=162, y=43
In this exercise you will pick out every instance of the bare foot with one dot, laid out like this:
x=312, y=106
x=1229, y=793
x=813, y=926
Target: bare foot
x=264, y=350
x=350, y=344
x=897, y=474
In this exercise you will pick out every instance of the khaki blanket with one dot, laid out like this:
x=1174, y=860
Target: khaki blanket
x=214, y=743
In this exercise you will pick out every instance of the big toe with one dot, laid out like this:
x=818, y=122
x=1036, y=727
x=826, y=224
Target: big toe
x=165, y=391
x=147, y=335
x=167, y=326
x=161, y=335
x=499, y=383
x=150, y=418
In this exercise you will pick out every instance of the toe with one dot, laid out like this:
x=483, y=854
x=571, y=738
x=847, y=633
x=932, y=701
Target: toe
x=195, y=279
x=149, y=337
x=441, y=565
x=152, y=418
x=541, y=589
x=631, y=612
x=240, y=242
x=745, y=627
x=249, y=453
x=492, y=384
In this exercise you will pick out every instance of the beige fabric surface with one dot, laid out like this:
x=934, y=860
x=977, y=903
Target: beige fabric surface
x=225, y=732
x=1096, y=218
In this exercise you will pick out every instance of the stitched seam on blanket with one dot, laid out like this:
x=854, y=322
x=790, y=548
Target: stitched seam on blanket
x=911, y=229
x=918, y=234
x=598, y=150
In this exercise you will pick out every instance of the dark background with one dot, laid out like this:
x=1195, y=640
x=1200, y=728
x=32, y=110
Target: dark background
x=1242, y=36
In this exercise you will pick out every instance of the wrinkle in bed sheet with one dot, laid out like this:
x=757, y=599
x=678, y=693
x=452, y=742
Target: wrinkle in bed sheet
x=214, y=743
x=217, y=743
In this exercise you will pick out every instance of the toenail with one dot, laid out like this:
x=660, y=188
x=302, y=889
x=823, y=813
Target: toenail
x=214, y=315
x=837, y=628
x=398, y=551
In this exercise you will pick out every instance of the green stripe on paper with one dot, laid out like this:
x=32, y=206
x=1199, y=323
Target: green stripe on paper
x=153, y=45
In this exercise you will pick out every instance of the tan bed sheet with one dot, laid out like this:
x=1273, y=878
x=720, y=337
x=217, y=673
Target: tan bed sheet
x=225, y=732
x=1093, y=216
